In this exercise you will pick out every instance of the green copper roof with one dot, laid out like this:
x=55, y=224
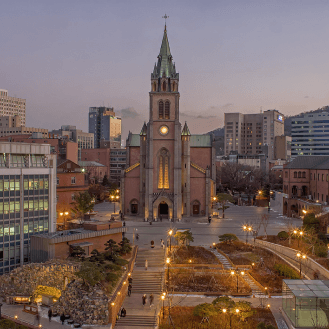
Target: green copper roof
x=200, y=141
x=165, y=66
x=186, y=131
x=135, y=140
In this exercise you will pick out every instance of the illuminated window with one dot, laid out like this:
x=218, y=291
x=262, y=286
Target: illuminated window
x=163, y=180
x=161, y=110
x=167, y=110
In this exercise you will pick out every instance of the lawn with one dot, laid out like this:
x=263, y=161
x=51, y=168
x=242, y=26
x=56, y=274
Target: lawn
x=183, y=318
x=192, y=255
x=263, y=270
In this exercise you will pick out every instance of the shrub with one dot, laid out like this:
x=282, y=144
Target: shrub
x=228, y=238
x=283, y=235
x=112, y=278
x=286, y=271
x=8, y=324
x=120, y=261
x=91, y=273
x=310, y=221
x=321, y=250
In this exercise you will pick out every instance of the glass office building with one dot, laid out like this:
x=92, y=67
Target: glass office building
x=27, y=199
x=310, y=134
x=306, y=302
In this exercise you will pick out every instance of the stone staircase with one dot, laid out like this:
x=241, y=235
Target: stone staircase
x=154, y=257
x=253, y=286
x=142, y=321
x=146, y=282
x=226, y=264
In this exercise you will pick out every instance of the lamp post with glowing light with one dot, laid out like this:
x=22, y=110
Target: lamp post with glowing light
x=225, y=310
x=247, y=229
x=170, y=234
x=168, y=274
x=64, y=216
x=300, y=257
x=163, y=298
x=299, y=235
x=237, y=272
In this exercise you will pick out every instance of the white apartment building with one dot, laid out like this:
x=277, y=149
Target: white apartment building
x=27, y=199
x=310, y=134
x=12, y=106
x=253, y=133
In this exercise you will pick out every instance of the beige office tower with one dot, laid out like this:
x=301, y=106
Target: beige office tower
x=253, y=133
x=12, y=106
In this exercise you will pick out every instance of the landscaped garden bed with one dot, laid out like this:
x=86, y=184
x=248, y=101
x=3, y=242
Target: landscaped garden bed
x=185, y=317
x=268, y=269
x=192, y=255
x=190, y=280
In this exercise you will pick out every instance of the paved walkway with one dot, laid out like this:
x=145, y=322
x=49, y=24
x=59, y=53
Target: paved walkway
x=144, y=282
x=27, y=318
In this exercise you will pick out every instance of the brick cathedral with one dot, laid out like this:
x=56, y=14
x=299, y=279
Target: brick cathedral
x=169, y=172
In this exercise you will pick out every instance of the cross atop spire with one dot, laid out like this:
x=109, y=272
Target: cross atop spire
x=165, y=17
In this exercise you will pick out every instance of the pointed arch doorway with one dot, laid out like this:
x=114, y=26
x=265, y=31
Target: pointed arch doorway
x=163, y=209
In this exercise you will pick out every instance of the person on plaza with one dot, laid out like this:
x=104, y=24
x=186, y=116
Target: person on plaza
x=124, y=223
x=129, y=289
x=50, y=314
x=123, y=312
x=37, y=318
x=130, y=280
x=144, y=299
x=62, y=318
x=151, y=299
x=137, y=236
x=209, y=219
x=146, y=264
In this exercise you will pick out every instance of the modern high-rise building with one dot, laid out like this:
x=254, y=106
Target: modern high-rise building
x=84, y=140
x=252, y=133
x=12, y=106
x=27, y=199
x=310, y=134
x=105, y=126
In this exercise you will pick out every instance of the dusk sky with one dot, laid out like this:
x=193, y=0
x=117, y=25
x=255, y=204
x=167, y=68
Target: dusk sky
x=232, y=56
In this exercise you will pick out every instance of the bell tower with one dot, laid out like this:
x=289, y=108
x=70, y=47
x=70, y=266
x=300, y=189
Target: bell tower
x=163, y=161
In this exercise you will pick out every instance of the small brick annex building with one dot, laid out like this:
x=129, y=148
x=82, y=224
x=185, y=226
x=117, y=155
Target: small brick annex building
x=169, y=172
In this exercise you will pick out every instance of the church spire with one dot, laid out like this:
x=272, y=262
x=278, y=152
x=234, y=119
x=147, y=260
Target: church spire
x=164, y=68
x=186, y=131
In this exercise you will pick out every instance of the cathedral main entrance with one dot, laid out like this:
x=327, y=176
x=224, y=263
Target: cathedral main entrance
x=163, y=209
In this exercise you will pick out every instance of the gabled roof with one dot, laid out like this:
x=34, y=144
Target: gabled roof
x=186, y=131
x=165, y=66
x=144, y=130
x=200, y=141
x=62, y=163
x=309, y=162
x=134, y=140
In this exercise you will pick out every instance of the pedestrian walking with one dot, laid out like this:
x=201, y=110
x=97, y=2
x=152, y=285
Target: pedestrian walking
x=146, y=264
x=151, y=299
x=123, y=312
x=124, y=223
x=130, y=280
x=209, y=219
x=144, y=299
x=62, y=318
x=37, y=319
x=50, y=314
x=129, y=289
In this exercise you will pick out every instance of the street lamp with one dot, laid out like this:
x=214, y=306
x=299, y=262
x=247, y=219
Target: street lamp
x=168, y=269
x=224, y=310
x=299, y=235
x=237, y=272
x=247, y=229
x=300, y=257
x=163, y=298
x=170, y=234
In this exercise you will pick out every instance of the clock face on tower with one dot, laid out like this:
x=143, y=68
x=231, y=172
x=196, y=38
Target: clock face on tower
x=164, y=130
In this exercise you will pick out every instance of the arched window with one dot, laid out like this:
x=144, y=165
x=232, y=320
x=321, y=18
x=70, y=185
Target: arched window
x=174, y=86
x=163, y=161
x=164, y=86
x=161, y=110
x=295, y=174
x=154, y=86
x=304, y=174
x=167, y=110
